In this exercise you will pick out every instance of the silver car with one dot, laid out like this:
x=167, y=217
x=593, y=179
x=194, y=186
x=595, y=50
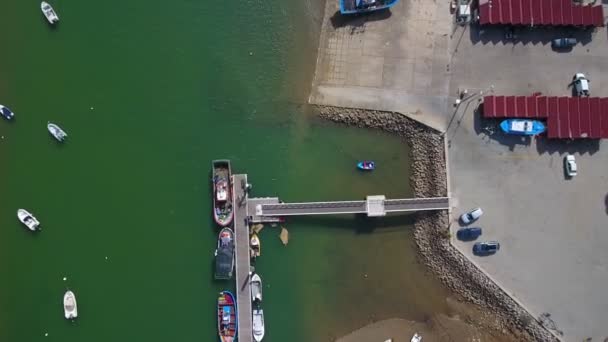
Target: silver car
x=471, y=216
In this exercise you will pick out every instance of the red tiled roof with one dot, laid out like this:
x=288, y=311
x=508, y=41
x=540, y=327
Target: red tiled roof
x=540, y=12
x=567, y=117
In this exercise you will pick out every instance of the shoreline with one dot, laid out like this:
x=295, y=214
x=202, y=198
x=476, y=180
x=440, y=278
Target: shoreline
x=431, y=230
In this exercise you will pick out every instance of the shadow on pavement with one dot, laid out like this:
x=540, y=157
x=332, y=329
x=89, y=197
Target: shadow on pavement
x=539, y=35
x=580, y=146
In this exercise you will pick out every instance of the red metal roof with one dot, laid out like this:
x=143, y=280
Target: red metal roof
x=567, y=117
x=540, y=12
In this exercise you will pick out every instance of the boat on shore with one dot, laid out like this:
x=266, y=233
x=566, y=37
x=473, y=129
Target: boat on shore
x=364, y=6
x=366, y=165
x=522, y=127
x=226, y=317
x=255, y=246
x=224, y=254
x=222, y=194
x=49, y=12
x=56, y=131
x=256, y=288
x=28, y=220
x=6, y=113
x=70, y=308
x=257, y=321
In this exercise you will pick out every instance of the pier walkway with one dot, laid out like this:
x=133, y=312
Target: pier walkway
x=243, y=266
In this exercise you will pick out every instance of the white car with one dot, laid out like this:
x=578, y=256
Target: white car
x=581, y=84
x=471, y=216
x=570, y=166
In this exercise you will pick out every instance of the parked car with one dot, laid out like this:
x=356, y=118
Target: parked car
x=581, y=84
x=471, y=216
x=563, y=43
x=570, y=166
x=468, y=234
x=485, y=248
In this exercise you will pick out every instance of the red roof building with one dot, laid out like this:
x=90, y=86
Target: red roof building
x=567, y=117
x=540, y=13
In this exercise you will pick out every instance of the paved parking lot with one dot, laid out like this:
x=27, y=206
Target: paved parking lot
x=553, y=232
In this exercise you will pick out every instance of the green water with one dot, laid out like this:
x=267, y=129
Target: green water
x=149, y=93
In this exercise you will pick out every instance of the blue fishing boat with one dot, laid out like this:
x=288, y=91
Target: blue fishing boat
x=522, y=127
x=6, y=113
x=366, y=165
x=363, y=6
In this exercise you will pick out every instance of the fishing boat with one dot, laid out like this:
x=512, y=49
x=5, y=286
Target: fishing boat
x=222, y=198
x=226, y=317
x=256, y=288
x=6, y=113
x=28, y=220
x=49, y=12
x=258, y=324
x=254, y=243
x=224, y=254
x=56, y=132
x=364, y=6
x=416, y=338
x=366, y=165
x=522, y=127
x=69, y=305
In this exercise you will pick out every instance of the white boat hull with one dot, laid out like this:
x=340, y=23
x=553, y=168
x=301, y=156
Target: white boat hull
x=258, y=325
x=57, y=132
x=70, y=308
x=256, y=288
x=28, y=219
x=49, y=12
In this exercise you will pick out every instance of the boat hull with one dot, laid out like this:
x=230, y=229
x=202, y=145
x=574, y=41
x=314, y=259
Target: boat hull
x=49, y=13
x=6, y=113
x=56, y=131
x=224, y=255
x=70, y=308
x=255, y=245
x=226, y=317
x=350, y=6
x=221, y=179
x=522, y=127
x=256, y=287
x=258, y=325
x=366, y=165
x=28, y=220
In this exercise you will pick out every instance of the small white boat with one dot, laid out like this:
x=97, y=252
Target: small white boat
x=256, y=288
x=69, y=305
x=254, y=242
x=56, y=131
x=28, y=219
x=49, y=12
x=258, y=324
x=416, y=338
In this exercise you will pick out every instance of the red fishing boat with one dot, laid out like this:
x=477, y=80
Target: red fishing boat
x=222, y=192
x=226, y=317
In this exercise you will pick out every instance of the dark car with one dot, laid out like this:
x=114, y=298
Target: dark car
x=563, y=43
x=485, y=248
x=468, y=234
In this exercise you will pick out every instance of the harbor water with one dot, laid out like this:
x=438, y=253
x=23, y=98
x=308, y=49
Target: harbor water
x=149, y=93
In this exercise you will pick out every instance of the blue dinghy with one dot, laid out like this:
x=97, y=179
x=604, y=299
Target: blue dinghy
x=522, y=127
x=366, y=165
x=363, y=6
x=6, y=112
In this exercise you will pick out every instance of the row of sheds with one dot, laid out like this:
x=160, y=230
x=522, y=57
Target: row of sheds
x=540, y=13
x=567, y=117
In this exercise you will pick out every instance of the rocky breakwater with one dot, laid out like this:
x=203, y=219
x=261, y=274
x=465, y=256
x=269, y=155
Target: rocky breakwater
x=432, y=233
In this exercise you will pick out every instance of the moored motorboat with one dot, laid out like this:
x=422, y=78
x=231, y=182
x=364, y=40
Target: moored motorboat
x=49, y=12
x=224, y=254
x=226, y=317
x=222, y=198
x=56, y=132
x=28, y=220
x=522, y=127
x=256, y=288
x=255, y=245
x=258, y=324
x=362, y=6
x=70, y=308
x=6, y=113
x=416, y=338
x=366, y=165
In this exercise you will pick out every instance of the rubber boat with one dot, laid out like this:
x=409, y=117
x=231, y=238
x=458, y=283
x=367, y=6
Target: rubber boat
x=363, y=6
x=28, y=220
x=6, y=113
x=416, y=338
x=224, y=254
x=366, y=165
x=258, y=324
x=522, y=127
x=56, y=132
x=222, y=192
x=254, y=243
x=256, y=288
x=69, y=305
x=226, y=317
x=49, y=12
